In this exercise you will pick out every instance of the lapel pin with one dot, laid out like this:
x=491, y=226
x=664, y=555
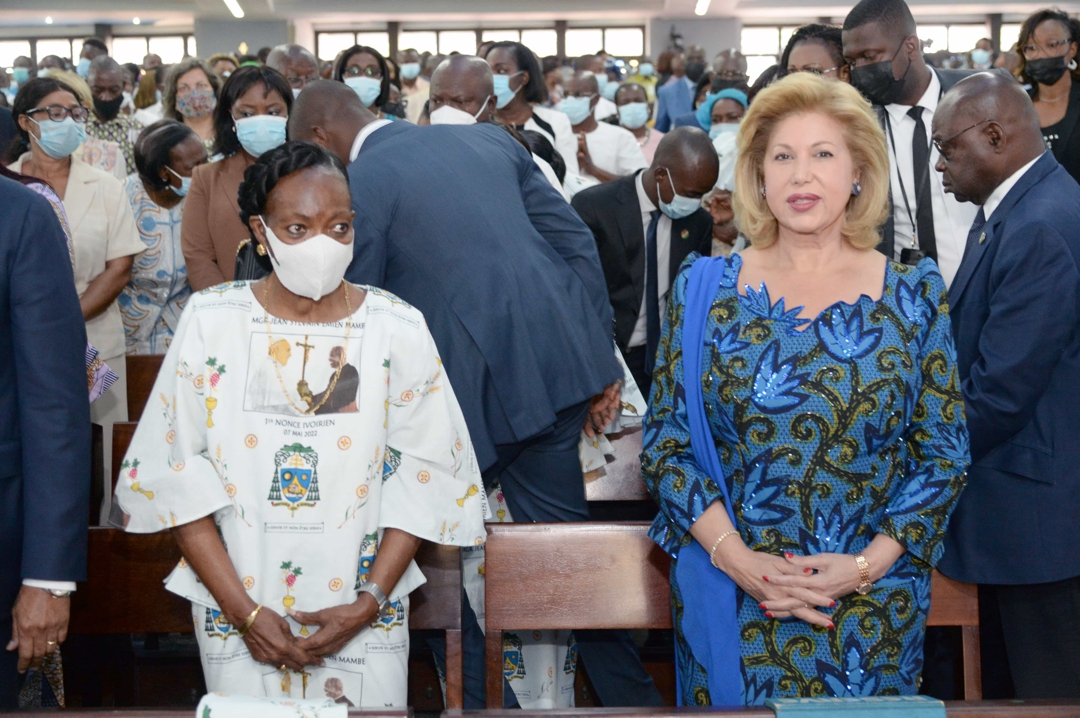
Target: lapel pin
x=685, y=234
x=982, y=237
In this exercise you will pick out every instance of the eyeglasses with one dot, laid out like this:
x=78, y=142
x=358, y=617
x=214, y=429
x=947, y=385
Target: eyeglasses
x=299, y=82
x=357, y=71
x=1031, y=50
x=59, y=113
x=940, y=144
x=814, y=70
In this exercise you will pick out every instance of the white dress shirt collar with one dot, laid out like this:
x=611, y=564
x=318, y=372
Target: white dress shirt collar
x=928, y=101
x=995, y=198
x=644, y=202
x=362, y=136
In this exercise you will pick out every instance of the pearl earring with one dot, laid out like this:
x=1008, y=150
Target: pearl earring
x=856, y=189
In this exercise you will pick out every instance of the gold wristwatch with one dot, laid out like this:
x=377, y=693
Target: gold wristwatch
x=865, y=585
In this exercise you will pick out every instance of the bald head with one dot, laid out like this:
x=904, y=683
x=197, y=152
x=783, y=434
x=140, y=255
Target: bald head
x=987, y=129
x=464, y=82
x=688, y=156
x=296, y=63
x=583, y=84
x=330, y=114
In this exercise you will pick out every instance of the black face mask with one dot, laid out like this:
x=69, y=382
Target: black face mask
x=394, y=108
x=876, y=81
x=108, y=109
x=694, y=70
x=1046, y=70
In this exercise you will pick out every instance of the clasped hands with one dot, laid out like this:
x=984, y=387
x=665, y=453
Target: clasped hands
x=603, y=408
x=791, y=586
x=271, y=641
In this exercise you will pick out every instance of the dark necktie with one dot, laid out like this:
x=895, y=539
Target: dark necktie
x=924, y=216
x=652, y=295
x=976, y=230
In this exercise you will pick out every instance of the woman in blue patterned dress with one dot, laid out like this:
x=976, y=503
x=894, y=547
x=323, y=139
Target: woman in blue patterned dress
x=831, y=395
x=166, y=154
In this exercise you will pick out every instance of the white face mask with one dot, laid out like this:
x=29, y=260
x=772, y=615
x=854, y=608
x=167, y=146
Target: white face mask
x=313, y=268
x=447, y=115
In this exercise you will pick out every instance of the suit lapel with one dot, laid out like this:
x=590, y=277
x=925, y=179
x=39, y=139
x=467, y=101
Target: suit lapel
x=975, y=251
x=633, y=234
x=81, y=193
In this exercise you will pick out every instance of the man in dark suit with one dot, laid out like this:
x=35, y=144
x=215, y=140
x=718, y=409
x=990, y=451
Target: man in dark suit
x=1015, y=308
x=460, y=222
x=888, y=68
x=642, y=238
x=674, y=99
x=44, y=434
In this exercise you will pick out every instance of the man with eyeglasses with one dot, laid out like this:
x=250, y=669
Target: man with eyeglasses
x=296, y=63
x=1015, y=308
x=887, y=66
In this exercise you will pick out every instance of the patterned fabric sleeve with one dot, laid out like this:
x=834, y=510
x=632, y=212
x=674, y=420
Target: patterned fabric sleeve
x=937, y=438
x=432, y=487
x=674, y=480
x=169, y=475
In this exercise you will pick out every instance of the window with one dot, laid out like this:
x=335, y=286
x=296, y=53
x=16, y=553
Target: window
x=192, y=51
x=1010, y=35
x=962, y=38
x=60, y=48
x=463, y=41
x=760, y=41
x=502, y=36
x=582, y=41
x=624, y=41
x=541, y=42
x=375, y=40
x=128, y=49
x=329, y=44
x=421, y=40
x=935, y=38
x=76, y=50
x=10, y=49
x=170, y=48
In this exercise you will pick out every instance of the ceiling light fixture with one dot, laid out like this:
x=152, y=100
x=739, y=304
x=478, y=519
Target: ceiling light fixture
x=48, y=20
x=135, y=21
x=702, y=7
x=234, y=8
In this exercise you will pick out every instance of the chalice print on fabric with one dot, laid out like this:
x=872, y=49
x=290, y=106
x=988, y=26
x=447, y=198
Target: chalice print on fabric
x=291, y=574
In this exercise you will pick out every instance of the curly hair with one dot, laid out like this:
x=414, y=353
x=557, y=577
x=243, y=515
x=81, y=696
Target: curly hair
x=168, y=96
x=273, y=166
x=384, y=68
x=28, y=97
x=825, y=35
x=1071, y=25
x=801, y=93
x=225, y=140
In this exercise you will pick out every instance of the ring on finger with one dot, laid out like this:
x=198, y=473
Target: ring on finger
x=283, y=668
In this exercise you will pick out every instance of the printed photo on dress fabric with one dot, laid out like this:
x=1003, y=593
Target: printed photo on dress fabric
x=293, y=373
x=340, y=684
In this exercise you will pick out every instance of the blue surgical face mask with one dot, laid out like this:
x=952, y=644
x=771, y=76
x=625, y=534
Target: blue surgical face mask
x=261, y=133
x=577, y=109
x=185, y=183
x=21, y=75
x=60, y=139
x=602, y=81
x=608, y=93
x=719, y=128
x=633, y=115
x=83, y=68
x=646, y=69
x=410, y=70
x=978, y=56
x=366, y=88
x=503, y=93
x=679, y=206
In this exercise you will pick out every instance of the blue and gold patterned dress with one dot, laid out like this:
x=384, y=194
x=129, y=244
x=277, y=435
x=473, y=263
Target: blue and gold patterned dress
x=830, y=431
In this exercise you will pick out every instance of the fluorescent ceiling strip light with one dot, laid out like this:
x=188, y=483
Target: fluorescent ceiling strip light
x=238, y=12
x=701, y=8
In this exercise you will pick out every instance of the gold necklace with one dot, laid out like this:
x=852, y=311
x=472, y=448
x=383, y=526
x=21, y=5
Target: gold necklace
x=277, y=369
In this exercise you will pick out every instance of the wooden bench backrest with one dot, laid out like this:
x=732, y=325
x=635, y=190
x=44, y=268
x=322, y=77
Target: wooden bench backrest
x=142, y=371
x=595, y=575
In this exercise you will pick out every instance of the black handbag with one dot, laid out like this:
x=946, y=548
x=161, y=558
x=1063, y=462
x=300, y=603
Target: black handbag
x=250, y=265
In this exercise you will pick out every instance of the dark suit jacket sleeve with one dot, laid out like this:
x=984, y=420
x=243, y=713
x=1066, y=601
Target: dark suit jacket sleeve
x=1033, y=318
x=663, y=116
x=49, y=345
x=369, y=229
x=559, y=224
